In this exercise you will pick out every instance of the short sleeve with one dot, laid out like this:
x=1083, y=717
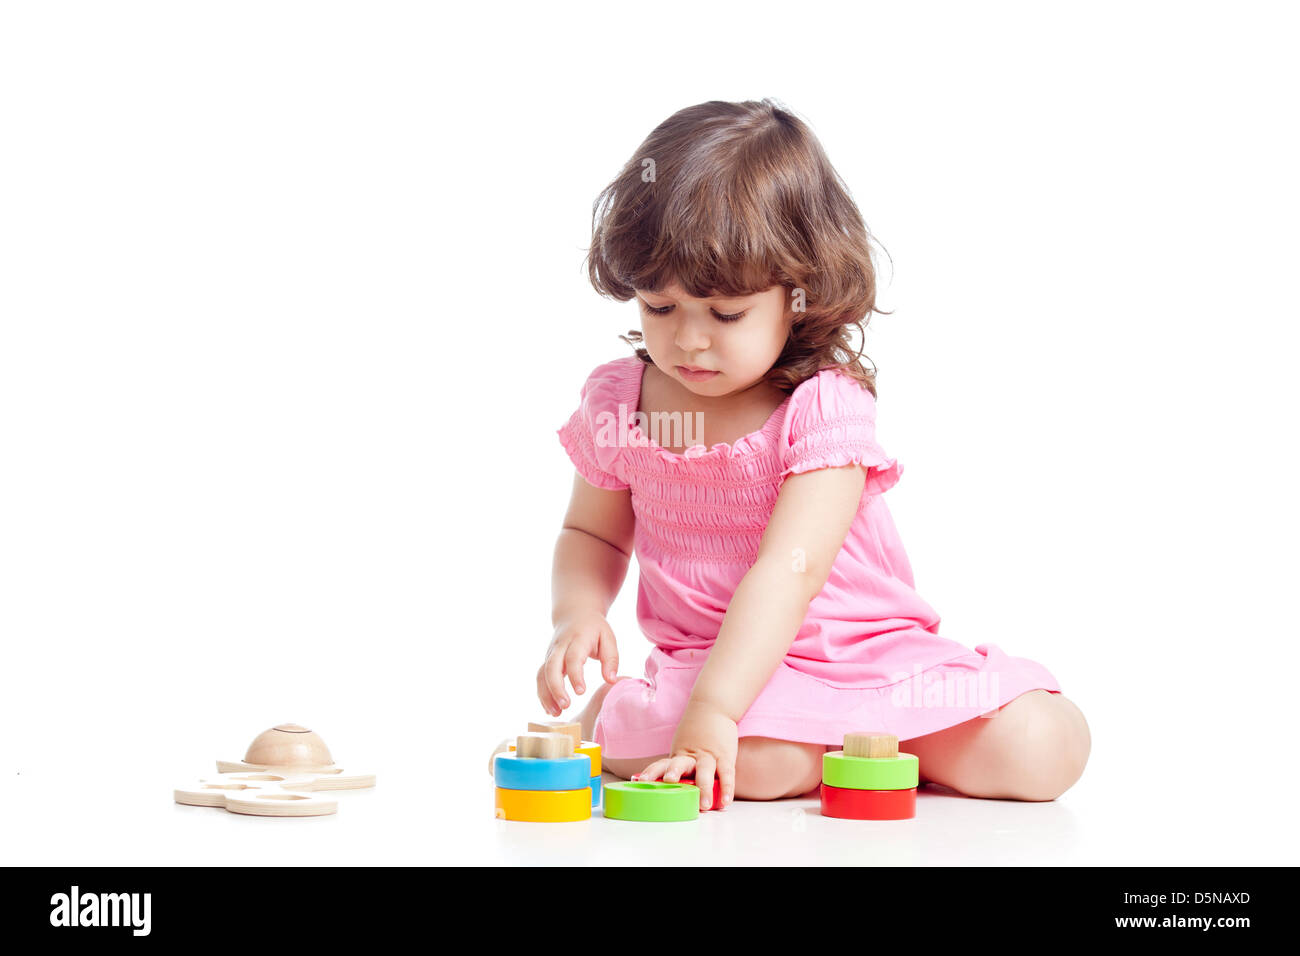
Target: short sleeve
x=831, y=422
x=589, y=436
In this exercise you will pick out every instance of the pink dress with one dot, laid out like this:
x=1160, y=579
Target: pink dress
x=868, y=655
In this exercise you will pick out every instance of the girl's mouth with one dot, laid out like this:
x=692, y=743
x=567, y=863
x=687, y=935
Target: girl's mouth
x=694, y=376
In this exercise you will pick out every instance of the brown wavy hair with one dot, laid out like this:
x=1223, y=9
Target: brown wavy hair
x=730, y=199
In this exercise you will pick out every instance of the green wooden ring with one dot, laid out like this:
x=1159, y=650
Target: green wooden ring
x=870, y=773
x=651, y=801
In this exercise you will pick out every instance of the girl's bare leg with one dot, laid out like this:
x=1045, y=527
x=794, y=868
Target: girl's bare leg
x=1034, y=748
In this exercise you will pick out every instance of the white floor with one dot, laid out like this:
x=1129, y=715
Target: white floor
x=118, y=818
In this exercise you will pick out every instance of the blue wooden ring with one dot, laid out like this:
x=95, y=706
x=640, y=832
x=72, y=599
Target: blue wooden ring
x=535, y=773
x=595, y=791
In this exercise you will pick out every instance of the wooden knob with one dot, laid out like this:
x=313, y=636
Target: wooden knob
x=288, y=745
x=572, y=728
x=544, y=746
x=870, y=744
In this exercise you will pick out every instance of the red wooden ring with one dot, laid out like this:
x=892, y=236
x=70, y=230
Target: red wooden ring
x=716, y=803
x=868, y=804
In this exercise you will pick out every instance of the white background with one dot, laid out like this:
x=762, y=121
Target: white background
x=292, y=302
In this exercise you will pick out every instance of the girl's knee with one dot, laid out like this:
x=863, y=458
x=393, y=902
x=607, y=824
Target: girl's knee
x=770, y=769
x=1054, y=749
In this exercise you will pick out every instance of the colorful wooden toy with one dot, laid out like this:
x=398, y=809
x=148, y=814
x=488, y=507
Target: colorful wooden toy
x=587, y=747
x=514, y=772
x=651, y=801
x=868, y=804
x=546, y=775
x=869, y=779
x=279, y=776
x=870, y=773
x=591, y=749
x=543, y=806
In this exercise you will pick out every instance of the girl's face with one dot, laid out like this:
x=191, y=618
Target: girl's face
x=739, y=339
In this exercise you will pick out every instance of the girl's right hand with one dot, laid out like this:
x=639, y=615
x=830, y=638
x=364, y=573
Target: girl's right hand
x=575, y=640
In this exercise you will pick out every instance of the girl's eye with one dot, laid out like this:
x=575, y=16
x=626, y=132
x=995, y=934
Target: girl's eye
x=664, y=310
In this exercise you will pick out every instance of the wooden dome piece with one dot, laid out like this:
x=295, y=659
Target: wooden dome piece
x=289, y=745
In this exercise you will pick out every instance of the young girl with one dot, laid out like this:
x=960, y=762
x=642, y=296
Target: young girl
x=774, y=587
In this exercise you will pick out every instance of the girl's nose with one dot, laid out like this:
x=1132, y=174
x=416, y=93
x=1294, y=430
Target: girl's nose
x=691, y=336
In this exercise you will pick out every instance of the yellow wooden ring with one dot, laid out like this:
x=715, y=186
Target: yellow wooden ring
x=591, y=749
x=544, y=806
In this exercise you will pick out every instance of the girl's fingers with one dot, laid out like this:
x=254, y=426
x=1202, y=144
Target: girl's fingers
x=727, y=784
x=574, y=659
x=678, y=766
x=555, y=681
x=652, y=771
x=544, y=694
x=607, y=651
x=704, y=768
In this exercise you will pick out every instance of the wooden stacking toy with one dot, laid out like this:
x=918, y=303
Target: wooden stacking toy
x=658, y=801
x=869, y=779
x=651, y=801
x=574, y=732
x=279, y=776
x=540, y=779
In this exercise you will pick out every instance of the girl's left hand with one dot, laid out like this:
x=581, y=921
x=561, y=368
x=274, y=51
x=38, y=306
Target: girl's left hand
x=706, y=742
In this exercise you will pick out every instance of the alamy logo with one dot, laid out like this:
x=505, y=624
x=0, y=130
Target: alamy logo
x=101, y=909
x=666, y=429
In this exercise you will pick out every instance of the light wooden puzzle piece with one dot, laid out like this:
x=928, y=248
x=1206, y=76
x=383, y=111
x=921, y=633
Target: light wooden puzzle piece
x=572, y=728
x=278, y=777
x=329, y=778
x=258, y=794
x=870, y=744
x=544, y=746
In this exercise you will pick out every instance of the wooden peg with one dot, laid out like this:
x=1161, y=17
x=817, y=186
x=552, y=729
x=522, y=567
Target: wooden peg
x=870, y=744
x=544, y=746
x=572, y=728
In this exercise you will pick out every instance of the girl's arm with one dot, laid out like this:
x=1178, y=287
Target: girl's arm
x=592, y=551
x=591, y=561
x=812, y=517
